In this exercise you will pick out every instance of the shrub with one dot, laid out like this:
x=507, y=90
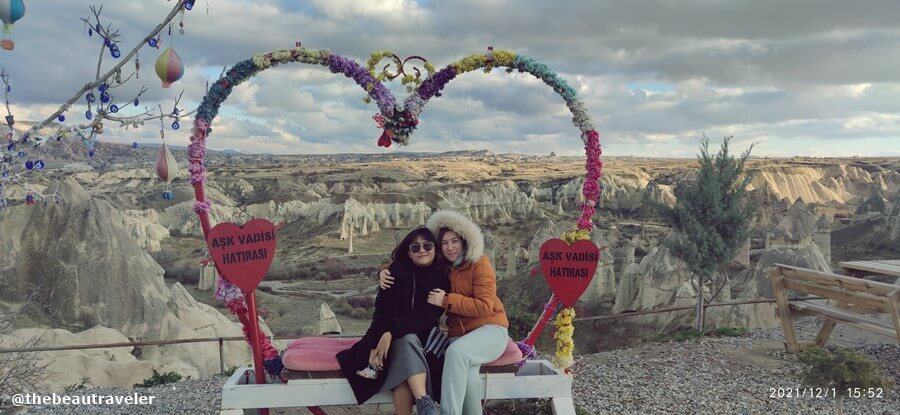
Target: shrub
x=360, y=313
x=77, y=386
x=344, y=308
x=159, y=379
x=364, y=301
x=334, y=268
x=841, y=369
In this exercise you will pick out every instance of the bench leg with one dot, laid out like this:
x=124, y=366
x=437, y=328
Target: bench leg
x=828, y=326
x=825, y=332
x=562, y=406
x=896, y=317
x=784, y=310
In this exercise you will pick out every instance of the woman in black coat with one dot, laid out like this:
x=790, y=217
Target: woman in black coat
x=395, y=353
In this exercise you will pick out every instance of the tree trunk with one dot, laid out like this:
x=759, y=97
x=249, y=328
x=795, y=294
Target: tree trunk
x=700, y=308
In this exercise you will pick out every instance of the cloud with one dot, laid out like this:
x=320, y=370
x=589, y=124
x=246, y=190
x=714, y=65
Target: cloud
x=808, y=72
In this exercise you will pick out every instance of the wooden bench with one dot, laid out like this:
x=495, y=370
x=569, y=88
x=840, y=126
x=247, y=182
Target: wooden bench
x=313, y=379
x=851, y=301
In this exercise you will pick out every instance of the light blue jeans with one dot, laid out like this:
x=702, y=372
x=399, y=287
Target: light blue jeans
x=461, y=383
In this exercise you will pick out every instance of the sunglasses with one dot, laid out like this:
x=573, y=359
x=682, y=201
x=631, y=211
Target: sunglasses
x=415, y=247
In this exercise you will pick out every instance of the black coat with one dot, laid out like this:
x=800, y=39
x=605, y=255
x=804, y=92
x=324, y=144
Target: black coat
x=400, y=311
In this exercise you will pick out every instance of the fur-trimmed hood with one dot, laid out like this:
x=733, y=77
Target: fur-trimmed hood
x=463, y=226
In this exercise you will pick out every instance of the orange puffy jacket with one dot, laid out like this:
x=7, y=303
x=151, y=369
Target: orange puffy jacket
x=472, y=301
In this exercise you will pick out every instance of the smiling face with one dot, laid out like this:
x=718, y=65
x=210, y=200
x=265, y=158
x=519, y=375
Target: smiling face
x=421, y=257
x=451, y=245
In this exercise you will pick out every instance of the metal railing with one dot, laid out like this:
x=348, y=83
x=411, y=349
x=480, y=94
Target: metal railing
x=222, y=340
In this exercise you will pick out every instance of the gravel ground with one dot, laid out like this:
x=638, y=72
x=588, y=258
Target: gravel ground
x=710, y=376
x=721, y=376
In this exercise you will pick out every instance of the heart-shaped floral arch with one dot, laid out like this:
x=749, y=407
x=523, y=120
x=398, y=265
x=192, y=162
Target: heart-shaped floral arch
x=399, y=121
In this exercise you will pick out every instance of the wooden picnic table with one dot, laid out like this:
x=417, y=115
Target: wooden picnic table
x=890, y=267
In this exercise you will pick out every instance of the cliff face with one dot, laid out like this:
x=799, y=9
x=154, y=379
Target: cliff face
x=826, y=184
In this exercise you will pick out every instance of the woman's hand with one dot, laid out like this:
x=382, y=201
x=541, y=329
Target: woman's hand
x=436, y=297
x=385, y=280
x=380, y=352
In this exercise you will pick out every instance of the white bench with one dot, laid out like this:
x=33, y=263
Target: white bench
x=537, y=379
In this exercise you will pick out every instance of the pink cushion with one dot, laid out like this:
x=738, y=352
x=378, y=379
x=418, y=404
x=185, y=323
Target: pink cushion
x=317, y=354
x=511, y=355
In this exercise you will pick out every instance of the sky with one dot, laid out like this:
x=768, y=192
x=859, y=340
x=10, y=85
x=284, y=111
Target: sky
x=799, y=77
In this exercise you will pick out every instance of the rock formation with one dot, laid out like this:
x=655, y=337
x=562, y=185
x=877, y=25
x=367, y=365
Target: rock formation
x=328, y=322
x=89, y=270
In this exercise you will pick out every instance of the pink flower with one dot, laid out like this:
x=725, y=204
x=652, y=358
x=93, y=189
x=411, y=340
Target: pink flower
x=202, y=206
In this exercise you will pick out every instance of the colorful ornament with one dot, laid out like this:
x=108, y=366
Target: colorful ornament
x=113, y=108
x=61, y=118
x=188, y=4
x=104, y=97
x=134, y=144
x=88, y=114
x=39, y=164
x=169, y=67
x=29, y=165
x=176, y=125
x=10, y=12
x=166, y=168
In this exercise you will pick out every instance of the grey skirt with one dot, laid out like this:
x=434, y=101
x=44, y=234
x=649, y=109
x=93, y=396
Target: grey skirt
x=406, y=359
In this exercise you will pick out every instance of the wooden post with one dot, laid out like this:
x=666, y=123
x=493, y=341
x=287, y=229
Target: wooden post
x=221, y=356
x=895, y=297
x=790, y=335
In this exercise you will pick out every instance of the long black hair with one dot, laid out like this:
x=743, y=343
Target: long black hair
x=401, y=251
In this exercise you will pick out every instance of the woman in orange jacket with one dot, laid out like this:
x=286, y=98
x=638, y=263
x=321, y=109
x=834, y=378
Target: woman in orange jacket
x=476, y=320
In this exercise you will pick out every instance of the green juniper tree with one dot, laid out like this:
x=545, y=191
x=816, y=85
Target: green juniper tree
x=711, y=217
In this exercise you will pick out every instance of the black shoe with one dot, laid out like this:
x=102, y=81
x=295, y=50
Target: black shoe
x=427, y=406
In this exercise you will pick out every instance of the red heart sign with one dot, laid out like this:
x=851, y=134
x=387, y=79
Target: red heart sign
x=243, y=254
x=569, y=269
